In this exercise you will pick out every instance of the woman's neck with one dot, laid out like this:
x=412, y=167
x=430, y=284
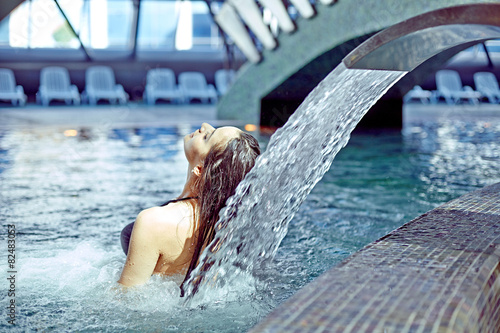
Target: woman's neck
x=187, y=194
x=188, y=190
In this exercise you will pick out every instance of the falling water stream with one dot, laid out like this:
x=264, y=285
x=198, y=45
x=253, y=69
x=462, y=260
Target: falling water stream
x=256, y=218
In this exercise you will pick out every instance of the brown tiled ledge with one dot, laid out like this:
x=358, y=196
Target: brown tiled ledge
x=437, y=273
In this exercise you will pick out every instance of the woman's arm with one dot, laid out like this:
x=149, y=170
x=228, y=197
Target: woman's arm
x=143, y=250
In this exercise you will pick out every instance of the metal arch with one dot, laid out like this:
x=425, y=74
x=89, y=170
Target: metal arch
x=84, y=49
x=137, y=13
x=490, y=62
x=406, y=45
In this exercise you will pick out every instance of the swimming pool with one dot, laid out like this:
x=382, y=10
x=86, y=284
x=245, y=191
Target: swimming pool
x=69, y=193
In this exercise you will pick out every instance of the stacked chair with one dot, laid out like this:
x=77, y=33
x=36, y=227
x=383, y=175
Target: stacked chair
x=487, y=84
x=449, y=87
x=417, y=93
x=193, y=85
x=9, y=91
x=56, y=85
x=100, y=84
x=160, y=84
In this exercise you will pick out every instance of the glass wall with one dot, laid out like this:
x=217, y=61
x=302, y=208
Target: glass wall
x=205, y=33
x=157, y=24
x=38, y=24
x=47, y=27
x=110, y=25
x=177, y=25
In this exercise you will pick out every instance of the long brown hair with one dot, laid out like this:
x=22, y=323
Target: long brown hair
x=224, y=168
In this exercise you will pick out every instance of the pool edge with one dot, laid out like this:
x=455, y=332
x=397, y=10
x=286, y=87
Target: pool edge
x=439, y=271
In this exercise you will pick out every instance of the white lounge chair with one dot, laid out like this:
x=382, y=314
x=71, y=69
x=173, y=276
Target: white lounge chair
x=160, y=84
x=194, y=86
x=223, y=80
x=417, y=93
x=9, y=91
x=56, y=85
x=487, y=84
x=449, y=86
x=100, y=84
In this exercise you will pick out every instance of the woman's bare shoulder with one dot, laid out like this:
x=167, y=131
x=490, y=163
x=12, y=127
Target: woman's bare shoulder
x=175, y=215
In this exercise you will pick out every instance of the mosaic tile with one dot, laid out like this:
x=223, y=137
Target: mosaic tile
x=439, y=272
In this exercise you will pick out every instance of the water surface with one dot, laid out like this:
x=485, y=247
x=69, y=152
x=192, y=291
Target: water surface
x=69, y=197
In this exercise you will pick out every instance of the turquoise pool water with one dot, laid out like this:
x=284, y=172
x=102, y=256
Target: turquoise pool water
x=69, y=197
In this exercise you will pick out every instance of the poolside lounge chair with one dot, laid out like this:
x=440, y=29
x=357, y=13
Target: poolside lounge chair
x=160, y=84
x=194, y=86
x=9, y=91
x=100, y=84
x=55, y=84
x=223, y=80
x=449, y=86
x=417, y=93
x=487, y=84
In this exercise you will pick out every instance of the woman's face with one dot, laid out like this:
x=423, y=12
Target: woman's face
x=198, y=144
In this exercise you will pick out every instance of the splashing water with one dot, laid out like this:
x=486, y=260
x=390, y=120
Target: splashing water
x=255, y=219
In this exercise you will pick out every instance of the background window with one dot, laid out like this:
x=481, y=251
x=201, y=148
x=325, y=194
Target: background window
x=48, y=28
x=108, y=24
x=157, y=24
x=15, y=27
x=177, y=25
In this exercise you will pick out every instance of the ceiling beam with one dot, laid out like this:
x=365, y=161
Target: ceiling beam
x=84, y=49
x=8, y=6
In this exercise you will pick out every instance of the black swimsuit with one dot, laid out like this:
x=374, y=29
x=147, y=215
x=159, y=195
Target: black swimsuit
x=127, y=231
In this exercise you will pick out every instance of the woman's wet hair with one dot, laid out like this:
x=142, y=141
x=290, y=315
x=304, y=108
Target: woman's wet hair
x=224, y=168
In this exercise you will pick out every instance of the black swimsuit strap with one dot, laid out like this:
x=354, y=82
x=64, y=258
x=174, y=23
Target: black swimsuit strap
x=180, y=199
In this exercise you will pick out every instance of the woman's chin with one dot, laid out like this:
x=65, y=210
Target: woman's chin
x=186, y=145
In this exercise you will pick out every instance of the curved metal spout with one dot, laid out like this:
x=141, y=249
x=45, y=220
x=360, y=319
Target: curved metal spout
x=404, y=46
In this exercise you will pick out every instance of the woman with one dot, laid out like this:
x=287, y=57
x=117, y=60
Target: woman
x=168, y=239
